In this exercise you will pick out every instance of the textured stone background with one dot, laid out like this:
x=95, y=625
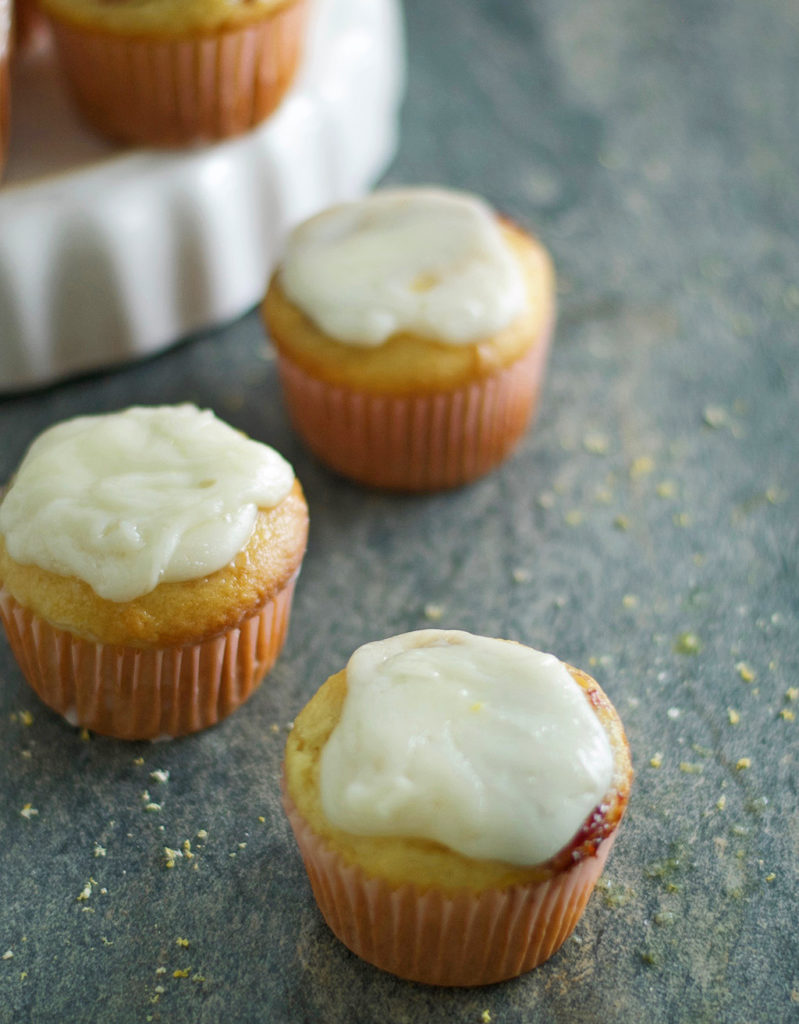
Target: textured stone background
x=646, y=530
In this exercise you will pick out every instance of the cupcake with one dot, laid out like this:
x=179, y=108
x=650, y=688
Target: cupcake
x=172, y=72
x=412, y=331
x=454, y=799
x=147, y=566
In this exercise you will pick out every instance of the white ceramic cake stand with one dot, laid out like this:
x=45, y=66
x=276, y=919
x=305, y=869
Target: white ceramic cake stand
x=110, y=254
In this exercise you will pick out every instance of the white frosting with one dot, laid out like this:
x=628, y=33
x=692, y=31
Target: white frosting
x=486, y=746
x=128, y=500
x=421, y=260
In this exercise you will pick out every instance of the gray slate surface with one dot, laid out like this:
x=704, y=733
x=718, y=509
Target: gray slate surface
x=653, y=145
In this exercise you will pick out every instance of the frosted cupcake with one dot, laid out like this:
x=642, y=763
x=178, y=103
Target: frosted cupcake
x=412, y=331
x=171, y=72
x=147, y=566
x=455, y=798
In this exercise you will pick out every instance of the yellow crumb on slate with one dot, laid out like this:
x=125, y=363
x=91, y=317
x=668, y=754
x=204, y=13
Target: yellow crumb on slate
x=690, y=768
x=745, y=672
x=153, y=807
x=85, y=735
x=792, y=693
x=182, y=974
x=770, y=876
x=641, y=467
x=262, y=819
x=28, y=811
x=714, y=416
x=721, y=803
x=733, y=716
x=99, y=851
x=573, y=517
x=187, y=849
x=787, y=714
x=159, y=775
x=434, y=612
x=742, y=763
x=666, y=489
x=485, y=1017
x=596, y=444
x=86, y=891
x=182, y=942
x=630, y=601
x=547, y=499
x=681, y=519
x=171, y=856
x=656, y=760
x=26, y=717
x=621, y=523
x=8, y=955
x=202, y=834
x=138, y=760
x=521, y=575
x=274, y=727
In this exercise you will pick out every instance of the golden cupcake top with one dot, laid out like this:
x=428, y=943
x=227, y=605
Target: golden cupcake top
x=130, y=500
x=162, y=17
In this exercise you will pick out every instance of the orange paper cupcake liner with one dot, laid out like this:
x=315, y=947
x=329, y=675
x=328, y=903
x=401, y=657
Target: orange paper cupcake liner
x=418, y=442
x=138, y=693
x=162, y=91
x=461, y=939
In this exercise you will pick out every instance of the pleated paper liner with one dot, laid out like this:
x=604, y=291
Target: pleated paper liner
x=420, y=442
x=173, y=91
x=461, y=939
x=141, y=693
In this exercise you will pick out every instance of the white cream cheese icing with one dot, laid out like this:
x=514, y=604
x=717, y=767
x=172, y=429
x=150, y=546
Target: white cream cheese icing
x=423, y=260
x=128, y=500
x=484, y=745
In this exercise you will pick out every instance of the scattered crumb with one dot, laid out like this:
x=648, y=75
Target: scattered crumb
x=665, y=917
x=770, y=876
x=621, y=523
x=26, y=717
x=152, y=807
x=742, y=763
x=202, y=834
x=85, y=735
x=274, y=727
x=721, y=803
x=792, y=693
x=656, y=760
x=8, y=955
x=547, y=499
x=434, y=612
x=171, y=856
x=485, y=1017
x=86, y=891
x=745, y=672
x=673, y=713
x=666, y=489
x=681, y=519
x=787, y=715
x=596, y=444
x=262, y=819
x=197, y=977
x=26, y=754
x=629, y=601
x=159, y=775
x=521, y=575
x=28, y=811
x=160, y=970
x=689, y=768
x=187, y=849
x=99, y=851
x=641, y=467
x=242, y=846
x=714, y=416
x=182, y=942
x=688, y=643
x=573, y=517
x=733, y=716
x=138, y=760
